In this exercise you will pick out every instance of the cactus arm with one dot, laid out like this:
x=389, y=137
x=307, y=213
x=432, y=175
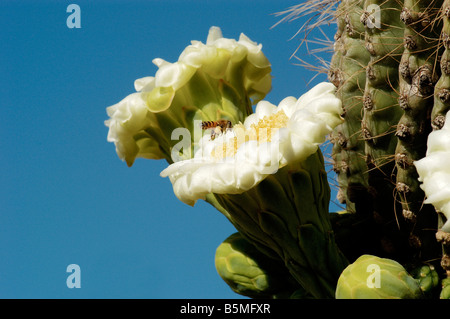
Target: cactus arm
x=348, y=74
x=418, y=73
x=383, y=40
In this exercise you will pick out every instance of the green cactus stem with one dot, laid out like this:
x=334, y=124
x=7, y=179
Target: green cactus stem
x=383, y=41
x=418, y=74
x=347, y=73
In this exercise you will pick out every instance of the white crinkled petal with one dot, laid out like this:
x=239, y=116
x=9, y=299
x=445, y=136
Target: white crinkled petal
x=251, y=45
x=196, y=55
x=145, y=84
x=264, y=108
x=129, y=114
x=238, y=51
x=438, y=141
x=438, y=187
x=308, y=127
x=251, y=119
x=160, y=62
x=204, y=178
x=326, y=108
x=434, y=171
x=127, y=118
x=316, y=92
x=254, y=50
x=285, y=143
x=288, y=105
x=214, y=34
x=173, y=75
x=434, y=162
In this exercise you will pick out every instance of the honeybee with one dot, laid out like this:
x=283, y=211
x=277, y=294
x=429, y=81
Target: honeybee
x=218, y=127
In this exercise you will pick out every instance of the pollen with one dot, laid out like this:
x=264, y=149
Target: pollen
x=262, y=132
x=268, y=125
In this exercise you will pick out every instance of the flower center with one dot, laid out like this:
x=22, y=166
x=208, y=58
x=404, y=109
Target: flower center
x=262, y=132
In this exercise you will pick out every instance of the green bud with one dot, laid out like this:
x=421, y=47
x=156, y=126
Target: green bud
x=249, y=272
x=427, y=278
x=371, y=277
x=445, y=292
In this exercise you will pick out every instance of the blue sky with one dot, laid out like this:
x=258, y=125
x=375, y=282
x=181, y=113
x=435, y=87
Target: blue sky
x=66, y=197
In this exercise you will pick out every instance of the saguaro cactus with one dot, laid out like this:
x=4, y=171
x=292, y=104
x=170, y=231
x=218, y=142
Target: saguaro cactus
x=405, y=97
x=386, y=111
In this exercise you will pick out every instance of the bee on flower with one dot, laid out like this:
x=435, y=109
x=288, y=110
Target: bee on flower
x=217, y=127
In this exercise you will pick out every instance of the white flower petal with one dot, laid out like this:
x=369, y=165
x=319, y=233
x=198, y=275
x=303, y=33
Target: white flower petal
x=127, y=118
x=173, y=75
x=214, y=34
x=288, y=105
x=160, y=62
x=144, y=84
x=316, y=92
x=250, y=120
x=438, y=141
x=254, y=160
x=264, y=108
x=434, y=162
x=434, y=171
x=308, y=126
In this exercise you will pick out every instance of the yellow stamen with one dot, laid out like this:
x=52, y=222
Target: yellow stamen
x=261, y=132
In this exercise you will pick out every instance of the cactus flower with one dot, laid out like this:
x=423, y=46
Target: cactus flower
x=269, y=139
x=219, y=79
x=267, y=175
x=434, y=171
